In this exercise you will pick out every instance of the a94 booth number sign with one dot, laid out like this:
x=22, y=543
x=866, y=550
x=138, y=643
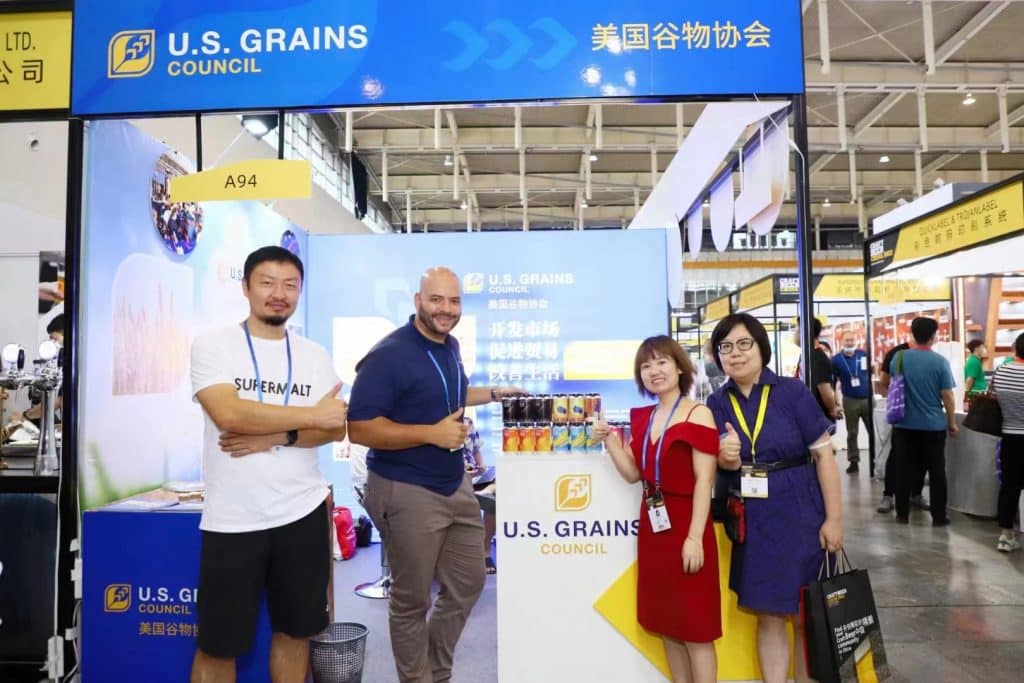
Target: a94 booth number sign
x=240, y=181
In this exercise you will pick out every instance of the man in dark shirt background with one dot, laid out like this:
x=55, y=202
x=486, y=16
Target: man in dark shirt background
x=822, y=380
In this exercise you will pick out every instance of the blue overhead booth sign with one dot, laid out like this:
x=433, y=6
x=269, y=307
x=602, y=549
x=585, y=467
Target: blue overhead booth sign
x=150, y=56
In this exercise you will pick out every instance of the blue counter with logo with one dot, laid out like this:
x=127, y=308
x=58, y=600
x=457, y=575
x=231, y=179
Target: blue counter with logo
x=140, y=577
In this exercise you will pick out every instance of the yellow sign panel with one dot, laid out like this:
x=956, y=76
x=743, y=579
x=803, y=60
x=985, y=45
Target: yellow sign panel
x=253, y=179
x=990, y=215
x=757, y=295
x=840, y=288
x=717, y=309
x=600, y=360
x=35, y=61
x=895, y=291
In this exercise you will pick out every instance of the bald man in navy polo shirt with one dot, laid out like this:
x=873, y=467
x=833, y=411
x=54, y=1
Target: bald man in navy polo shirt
x=407, y=405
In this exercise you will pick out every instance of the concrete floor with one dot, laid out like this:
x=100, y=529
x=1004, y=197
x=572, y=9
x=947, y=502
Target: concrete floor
x=951, y=606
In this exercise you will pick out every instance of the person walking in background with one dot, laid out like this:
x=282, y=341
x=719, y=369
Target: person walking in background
x=673, y=453
x=975, y=381
x=850, y=367
x=773, y=429
x=919, y=439
x=407, y=406
x=1008, y=384
x=822, y=381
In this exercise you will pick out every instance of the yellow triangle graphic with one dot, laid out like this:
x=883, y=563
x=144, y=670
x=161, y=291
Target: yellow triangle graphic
x=866, y=669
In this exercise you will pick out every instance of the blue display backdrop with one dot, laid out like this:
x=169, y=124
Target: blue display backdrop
x=193, y=55
x=139, y=616
x=551, y=312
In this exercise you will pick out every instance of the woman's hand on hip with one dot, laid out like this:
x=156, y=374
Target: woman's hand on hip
x=831, y=535
x=693, y=555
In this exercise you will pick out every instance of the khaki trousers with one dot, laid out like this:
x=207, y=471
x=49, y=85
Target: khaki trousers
x=856, y=410
x=428, y=536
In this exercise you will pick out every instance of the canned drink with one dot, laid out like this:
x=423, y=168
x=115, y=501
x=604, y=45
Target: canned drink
x=535, y=408
x=521, y=405
x=592, y=405
x=577, y=437
x=593, y=443
x=546, y=406
x=560, y=437
x=616, y=429
x=560, y=409
x=577, y=408
x=508, y=409
x=527, y=438
x=542, y=437
x=510, y=438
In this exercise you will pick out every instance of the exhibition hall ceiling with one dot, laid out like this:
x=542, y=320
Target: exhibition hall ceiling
x=956, y=113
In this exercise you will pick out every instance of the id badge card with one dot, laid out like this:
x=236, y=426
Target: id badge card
x=754, y=483
x=658, y=513
x=855, y=382
x=864, y=363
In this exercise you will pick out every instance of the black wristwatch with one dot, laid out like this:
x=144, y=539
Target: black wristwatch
x=494, y=394
x=291, y=436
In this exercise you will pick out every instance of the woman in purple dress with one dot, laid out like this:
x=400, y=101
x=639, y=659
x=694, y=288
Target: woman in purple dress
x=772, y=427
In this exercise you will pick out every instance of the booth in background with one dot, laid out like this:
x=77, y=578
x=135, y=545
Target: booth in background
x=978, y=237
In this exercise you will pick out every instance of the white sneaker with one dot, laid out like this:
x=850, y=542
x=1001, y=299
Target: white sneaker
x=1006, y=545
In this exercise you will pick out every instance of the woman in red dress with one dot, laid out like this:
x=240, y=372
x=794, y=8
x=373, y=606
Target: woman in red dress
x=673, y=453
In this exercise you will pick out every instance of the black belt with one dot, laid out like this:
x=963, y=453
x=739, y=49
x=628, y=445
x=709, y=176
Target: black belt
x=784, y=464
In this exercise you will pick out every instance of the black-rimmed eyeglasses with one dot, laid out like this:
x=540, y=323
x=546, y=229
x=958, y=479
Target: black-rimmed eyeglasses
x=745, y=344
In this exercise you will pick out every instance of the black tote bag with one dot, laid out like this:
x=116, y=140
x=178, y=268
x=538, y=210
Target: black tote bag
x=984, y=415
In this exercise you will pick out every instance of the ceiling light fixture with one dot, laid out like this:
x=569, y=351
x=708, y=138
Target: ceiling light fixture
x=969, y=99
x=827, y=202
x=447, y=159
x=593, y=157
x=259, y=125
x=884, y=159
x=584, y=204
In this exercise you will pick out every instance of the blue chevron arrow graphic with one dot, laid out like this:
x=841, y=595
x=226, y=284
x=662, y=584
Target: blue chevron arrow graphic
x=518, y=44
x=474, y=46
x=564, y=42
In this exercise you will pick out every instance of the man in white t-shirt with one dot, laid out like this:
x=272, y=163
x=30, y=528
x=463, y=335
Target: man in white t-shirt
x=269, y=399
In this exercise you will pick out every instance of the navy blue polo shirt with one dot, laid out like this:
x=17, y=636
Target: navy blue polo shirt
x=845, y=368
x=401, y=379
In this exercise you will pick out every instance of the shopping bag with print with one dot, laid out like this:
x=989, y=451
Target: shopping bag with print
x=842, y=635
x=896, y=399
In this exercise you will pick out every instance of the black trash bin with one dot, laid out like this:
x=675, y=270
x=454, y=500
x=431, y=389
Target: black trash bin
x=336, y=655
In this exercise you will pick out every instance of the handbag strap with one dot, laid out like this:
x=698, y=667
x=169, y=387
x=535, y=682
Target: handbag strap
x=899, y=363
x=842, y=565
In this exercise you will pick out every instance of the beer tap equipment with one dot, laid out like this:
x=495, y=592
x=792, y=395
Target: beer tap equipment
x=46, y=379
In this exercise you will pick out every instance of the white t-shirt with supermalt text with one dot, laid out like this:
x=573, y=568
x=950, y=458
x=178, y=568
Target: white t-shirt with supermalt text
x=272, y=488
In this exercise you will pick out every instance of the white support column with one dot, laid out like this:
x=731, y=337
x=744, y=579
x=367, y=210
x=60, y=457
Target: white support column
x=408, y=211
x=587, y=173
x=841, y=114
x=469, y=214
x=823, y=39
x=654, y=165
x=1004, y=119
x=862, y=219
x=922, y=118
x=984, y=165
x=918, y=174
x=455, y=172
x=522, y=177
x=384, y=173
x=636, y=201
x=598, y=126
x=817, y=233
x=348, y=131
x=437, y=128
x=519, y=127
x=526, y=216
x=853, y=173
x=680, y=124
x=928, y=22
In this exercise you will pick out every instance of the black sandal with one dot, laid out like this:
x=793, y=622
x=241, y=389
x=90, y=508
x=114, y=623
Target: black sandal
x=489, y=565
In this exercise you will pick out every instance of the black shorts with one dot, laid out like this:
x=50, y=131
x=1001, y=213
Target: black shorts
x=291, y=563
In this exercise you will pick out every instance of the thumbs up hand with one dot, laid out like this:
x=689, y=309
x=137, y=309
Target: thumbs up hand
x=450, y=432
x=729, y=449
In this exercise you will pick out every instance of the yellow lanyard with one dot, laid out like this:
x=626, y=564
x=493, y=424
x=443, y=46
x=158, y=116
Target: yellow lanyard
x=761, y=410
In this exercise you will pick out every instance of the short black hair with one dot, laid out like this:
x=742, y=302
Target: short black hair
x=271, y=254
x=754, y=327
x=815, y=328
x=973, y=345
x=56, y=325
x=1018, y=345
x=923, y=329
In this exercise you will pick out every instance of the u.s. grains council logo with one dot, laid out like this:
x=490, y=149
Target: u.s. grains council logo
x=572, y=493
x=117, y=597
x=473, y=283
x=130, y=54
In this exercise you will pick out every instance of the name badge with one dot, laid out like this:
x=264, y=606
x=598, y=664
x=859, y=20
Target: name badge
x=855, y=382
x=658, y=513
x=864, y=363
x=754, y=483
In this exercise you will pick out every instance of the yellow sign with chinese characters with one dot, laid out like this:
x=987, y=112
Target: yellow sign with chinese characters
x=896, y=291
x=717, y=309
x=757, y=295
x=991, y=214
x=35, y=61
x=253, y=179
x=837, y=287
